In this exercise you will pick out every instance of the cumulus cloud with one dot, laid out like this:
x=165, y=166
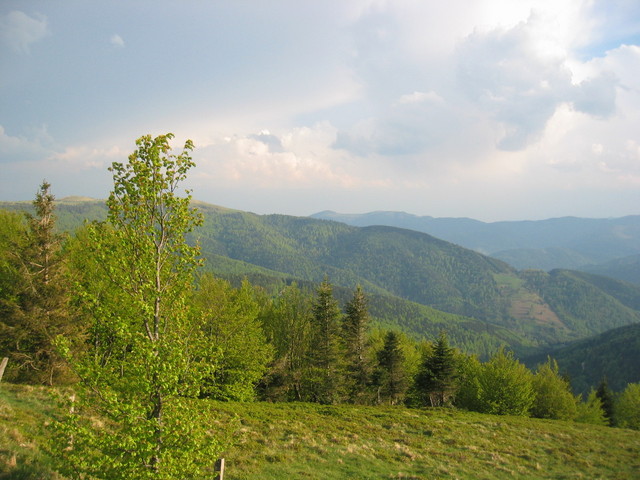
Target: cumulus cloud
x=20, y=31
x=298, y=158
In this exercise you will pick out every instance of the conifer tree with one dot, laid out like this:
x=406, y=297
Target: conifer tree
x=437, y=379
x=356, y=346
x=604, y=393
x=324, y=375
x=390, y=376
x=40, y=307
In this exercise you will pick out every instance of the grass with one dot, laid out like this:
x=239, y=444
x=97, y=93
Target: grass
x=309, y=441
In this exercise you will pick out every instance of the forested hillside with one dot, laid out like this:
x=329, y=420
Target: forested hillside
x=407, y=271
x=614, y=355
x=567, y=242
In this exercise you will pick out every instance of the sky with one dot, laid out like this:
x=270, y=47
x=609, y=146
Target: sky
x=488, y=109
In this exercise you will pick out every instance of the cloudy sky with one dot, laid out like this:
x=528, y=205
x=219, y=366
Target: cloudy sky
x=490, y=109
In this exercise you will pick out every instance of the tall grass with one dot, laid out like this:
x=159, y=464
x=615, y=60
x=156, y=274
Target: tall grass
x=310, y=441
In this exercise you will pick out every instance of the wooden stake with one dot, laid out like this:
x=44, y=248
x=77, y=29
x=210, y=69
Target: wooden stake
x=220, y=469
x=3, y=365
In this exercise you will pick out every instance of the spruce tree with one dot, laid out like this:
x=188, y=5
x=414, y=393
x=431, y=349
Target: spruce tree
x=356, y=345
x=40, y=306
x=604, y=393
x=390, y=376
x=437, y=379
x=324, y=375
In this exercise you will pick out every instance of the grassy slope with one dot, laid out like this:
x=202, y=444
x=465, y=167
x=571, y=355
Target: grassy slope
x=296, y=441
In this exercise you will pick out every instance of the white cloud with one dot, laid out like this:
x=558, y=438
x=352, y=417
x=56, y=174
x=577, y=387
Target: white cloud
x=20, y=31
x=116, y=40
x=15, y=149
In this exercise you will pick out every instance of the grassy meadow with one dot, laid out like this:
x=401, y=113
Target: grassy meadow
x=311, y=441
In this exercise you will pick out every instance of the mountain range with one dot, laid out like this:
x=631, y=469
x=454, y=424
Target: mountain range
x=606, y=246
x=417, y=282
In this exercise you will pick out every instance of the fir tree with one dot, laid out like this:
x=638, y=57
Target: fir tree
x=391, y=377
x=324, y=375
x=437, y=379
x=604, y=393
x=40, y=307
x=356, y=346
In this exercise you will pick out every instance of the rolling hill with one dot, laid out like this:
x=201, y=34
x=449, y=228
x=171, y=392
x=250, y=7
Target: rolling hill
x=418, y=282
x=614, y=354
x=566, y=242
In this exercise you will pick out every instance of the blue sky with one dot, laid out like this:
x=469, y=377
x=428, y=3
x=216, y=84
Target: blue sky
x=490, y=109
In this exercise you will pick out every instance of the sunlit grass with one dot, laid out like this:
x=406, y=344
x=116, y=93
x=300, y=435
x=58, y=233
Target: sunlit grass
x=310, y=441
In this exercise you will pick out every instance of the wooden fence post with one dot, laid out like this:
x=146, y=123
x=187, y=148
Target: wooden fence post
x=3, y=365
x=220, y=469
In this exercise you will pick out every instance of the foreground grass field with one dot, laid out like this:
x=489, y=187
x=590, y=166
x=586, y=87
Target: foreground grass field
x=308, y=441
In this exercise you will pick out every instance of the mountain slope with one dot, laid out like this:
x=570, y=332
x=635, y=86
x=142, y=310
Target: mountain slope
x=523, y=308
x=614, y=354
x=567, y=242
x=626, y=268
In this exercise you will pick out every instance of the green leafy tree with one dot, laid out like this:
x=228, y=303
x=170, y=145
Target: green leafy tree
x=39, y=308
x=553, y=396
x=287, y=324
x=355, y=329
x=390, y=377
x=505, y=386
x=590, y=411
x=627, y=414
x=324, y=374
x=468, y=395
x=437, y=379
x=229, y=320
x=133, y=418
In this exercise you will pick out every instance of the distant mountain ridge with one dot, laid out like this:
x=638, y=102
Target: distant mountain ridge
x=416, y=282
x=567, y=242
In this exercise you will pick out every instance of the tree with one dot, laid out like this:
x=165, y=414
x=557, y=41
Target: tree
x=324, y=374
x=627, y=414
x=390, y=376
x=229, y=321
x=39, y=308
x=356, y=346
x=590, y=411
x=604, y=393
x=437, y=379
x=505, y=386
x=553, y=397
x=133, y=418
x=287, y=324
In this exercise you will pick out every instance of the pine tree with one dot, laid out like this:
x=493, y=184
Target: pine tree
x=604, y=393
x=356, y=346
x=40, y=308
x=437, y=379
x=390, y=376
x=324, y=375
